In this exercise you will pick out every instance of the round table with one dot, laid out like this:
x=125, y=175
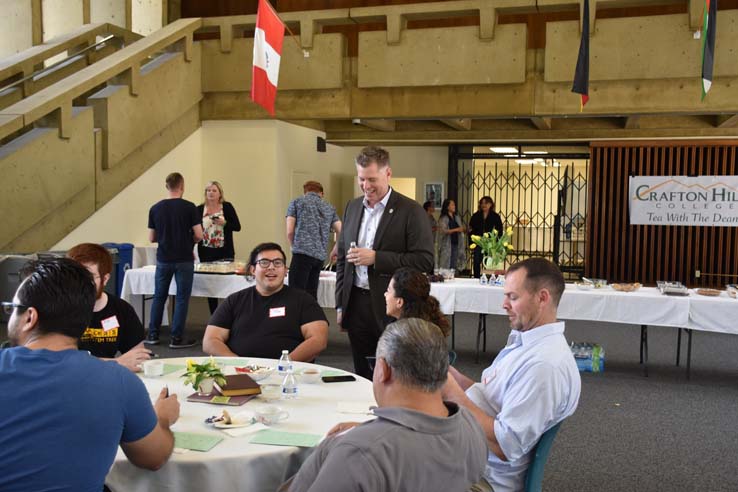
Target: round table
x=235, y=464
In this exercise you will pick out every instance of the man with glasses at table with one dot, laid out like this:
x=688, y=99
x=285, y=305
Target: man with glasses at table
x=263, y=320
x=65, y=412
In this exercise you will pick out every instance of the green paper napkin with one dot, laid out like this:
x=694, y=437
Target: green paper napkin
x=195, y=442
x=277, y=438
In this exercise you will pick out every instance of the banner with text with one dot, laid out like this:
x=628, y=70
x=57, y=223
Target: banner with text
x=683, y=200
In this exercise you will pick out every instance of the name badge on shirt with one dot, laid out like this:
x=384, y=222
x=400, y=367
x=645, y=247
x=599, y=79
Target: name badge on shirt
x=277, y=312
x=110, y=323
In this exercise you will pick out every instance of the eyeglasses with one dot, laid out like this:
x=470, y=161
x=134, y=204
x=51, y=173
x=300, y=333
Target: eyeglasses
x=8, y=307
x=264, y=263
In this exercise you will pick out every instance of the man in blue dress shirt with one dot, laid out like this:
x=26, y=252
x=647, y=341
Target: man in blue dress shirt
x=533, y=383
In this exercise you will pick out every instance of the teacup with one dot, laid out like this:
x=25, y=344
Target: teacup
x=269, y=415
x=310, y=375
x=271, y=391
x=153, y=368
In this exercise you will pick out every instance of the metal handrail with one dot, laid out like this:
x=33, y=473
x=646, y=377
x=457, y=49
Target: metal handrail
x=56, y=64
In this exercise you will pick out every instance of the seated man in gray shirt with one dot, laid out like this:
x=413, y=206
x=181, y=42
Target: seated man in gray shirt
x=417, y=441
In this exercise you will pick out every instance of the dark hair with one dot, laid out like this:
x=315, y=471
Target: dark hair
x=373, y=154
x=92, y=253
x=313, y=186
x=540, y=273
x=265, y=247
x=62, y=291
x=427, y=205
x=417, y=353
x=488, y=199
x=174, y=181
x=413, y=287
x=444, y=207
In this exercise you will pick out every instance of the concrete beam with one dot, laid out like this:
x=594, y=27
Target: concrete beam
x=541, y=123
x=726, y=121
x=381, y=125
x=461, y=124
x=632, y=122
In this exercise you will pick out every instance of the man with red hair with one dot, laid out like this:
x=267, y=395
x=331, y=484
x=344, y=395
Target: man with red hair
x=114, y=327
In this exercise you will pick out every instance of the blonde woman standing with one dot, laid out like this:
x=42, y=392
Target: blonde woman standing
x=219, y=222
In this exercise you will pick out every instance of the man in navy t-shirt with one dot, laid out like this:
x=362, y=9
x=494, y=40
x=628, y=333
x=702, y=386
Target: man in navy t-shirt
x=175, y=224
x=65, y=412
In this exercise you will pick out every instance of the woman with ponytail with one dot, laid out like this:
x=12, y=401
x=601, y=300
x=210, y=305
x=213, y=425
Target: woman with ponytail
x=408, y=296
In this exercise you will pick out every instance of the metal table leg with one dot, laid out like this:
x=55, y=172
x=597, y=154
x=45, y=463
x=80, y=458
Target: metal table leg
x=679, y=345
x=644, y=349
x=481, y=327
x=453, y=332
x=689, y=352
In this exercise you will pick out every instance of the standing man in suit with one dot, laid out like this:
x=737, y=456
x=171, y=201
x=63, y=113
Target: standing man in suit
x=382, y=231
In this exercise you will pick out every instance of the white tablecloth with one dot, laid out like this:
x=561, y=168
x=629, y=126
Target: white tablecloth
x=646, y=306
x=235, y=465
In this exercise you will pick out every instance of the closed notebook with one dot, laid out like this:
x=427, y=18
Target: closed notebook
x=239, y=385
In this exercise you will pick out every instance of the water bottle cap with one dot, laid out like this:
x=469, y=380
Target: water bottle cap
x=284, y=352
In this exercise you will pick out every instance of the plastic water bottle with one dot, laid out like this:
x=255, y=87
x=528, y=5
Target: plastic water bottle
x=289, y=386
x=285, y=364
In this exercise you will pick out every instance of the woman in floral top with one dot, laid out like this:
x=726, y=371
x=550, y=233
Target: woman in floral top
x=219, y=221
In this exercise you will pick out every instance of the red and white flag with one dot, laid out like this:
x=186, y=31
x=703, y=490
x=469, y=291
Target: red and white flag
x=267, y=53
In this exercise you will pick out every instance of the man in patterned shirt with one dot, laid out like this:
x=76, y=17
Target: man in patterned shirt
x=309, y=223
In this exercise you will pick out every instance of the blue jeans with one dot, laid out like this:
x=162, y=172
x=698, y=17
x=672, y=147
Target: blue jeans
x=183, y=274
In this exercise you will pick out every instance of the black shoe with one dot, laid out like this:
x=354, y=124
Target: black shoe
x=179, y=343
x=152, y=339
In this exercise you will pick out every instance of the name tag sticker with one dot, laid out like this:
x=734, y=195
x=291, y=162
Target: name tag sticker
x=110, y=323
x=277, y=312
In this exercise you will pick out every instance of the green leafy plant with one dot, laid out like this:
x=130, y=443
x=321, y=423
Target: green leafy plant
x=494, y=248
x=197, y=373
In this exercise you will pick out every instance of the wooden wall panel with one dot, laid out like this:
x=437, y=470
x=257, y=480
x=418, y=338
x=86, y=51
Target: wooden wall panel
x=621, y=252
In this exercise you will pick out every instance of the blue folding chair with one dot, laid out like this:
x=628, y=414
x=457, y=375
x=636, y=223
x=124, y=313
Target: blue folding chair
x=534, y=477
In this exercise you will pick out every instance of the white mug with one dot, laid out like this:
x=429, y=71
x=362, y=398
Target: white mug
x=153, y=368
x=270, y=415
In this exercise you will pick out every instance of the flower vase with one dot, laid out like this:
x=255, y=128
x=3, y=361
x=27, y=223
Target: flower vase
x=493, y=268
x=206, y=387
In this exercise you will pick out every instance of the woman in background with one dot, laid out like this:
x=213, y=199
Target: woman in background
x=408, y=296
x=484, y=220
x=219, y=222
x=451, y=238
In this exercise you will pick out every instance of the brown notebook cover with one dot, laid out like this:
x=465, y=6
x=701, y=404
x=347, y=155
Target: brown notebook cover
x=216, y=398
x=239, y=385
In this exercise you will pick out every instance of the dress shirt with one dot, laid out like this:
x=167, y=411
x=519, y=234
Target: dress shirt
x=532, y=385
x=367, y=230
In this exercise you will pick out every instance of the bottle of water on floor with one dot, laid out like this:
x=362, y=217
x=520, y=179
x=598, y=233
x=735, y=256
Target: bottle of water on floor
x=289, y=386
x=285, y=364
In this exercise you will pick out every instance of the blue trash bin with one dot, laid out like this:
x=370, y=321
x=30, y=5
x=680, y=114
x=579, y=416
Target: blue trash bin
x=125, y=260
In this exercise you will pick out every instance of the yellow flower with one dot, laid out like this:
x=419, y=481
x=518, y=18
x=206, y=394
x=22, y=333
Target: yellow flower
x=472, y=246
x=475, y=237
x=509, y=231
x=486, y=234
x=510, y=246
x=505, y=243
x=190, y=363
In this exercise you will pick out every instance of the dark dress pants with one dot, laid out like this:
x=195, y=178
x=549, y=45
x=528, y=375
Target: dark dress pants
x=363, y=330
x=305, y=273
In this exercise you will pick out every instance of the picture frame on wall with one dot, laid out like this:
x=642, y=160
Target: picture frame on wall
x=434, y=193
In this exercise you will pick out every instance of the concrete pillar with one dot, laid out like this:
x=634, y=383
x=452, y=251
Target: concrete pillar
x=15, y=27
x=147, y=16
x=112, y=11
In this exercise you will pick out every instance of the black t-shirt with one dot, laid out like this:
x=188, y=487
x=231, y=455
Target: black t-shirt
x=173, y=219
x=264, y=326
x=115, y=328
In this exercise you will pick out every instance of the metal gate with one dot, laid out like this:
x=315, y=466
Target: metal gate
x=542, y=196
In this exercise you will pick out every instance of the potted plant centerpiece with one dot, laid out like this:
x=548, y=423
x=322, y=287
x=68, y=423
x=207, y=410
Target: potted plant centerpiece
x=202, y=376
x=494, y=249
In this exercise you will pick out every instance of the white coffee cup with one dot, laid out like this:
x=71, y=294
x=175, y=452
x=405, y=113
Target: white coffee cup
x=269, y=415
x=153, y=368
x=310, y=375
x=271, y=391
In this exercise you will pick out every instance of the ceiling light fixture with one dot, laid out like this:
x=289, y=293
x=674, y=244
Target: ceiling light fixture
x=504, y=150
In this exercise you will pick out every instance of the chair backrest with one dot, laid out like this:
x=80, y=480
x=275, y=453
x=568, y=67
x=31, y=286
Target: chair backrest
x=534, y=477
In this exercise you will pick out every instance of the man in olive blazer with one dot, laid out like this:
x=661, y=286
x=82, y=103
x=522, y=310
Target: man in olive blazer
x=390, y=231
